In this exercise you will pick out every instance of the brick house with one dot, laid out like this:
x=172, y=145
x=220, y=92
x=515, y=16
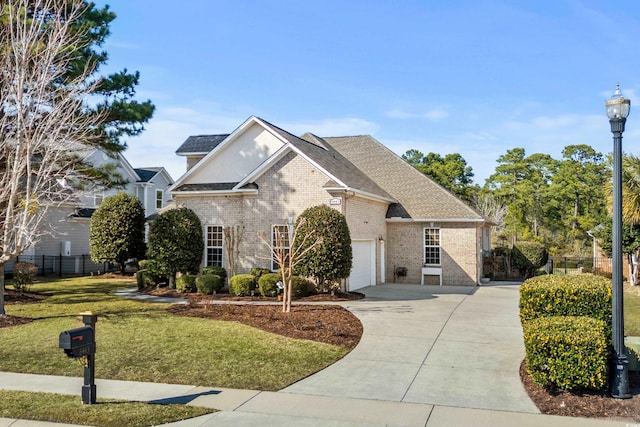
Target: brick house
x=404, y=227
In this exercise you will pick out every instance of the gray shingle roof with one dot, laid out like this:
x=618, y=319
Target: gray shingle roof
x=331, y=161
x=146, y=174
x=200, y=144
x=419, y=197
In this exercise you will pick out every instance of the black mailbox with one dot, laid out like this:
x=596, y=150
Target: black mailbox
x=78, y=342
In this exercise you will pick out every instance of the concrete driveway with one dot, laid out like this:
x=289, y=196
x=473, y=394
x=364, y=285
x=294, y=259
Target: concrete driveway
x=450, y=346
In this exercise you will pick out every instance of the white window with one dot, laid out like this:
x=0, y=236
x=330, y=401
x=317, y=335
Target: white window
x=159, y=199
x=280, y=243
x=214, y=245
x=432, y=246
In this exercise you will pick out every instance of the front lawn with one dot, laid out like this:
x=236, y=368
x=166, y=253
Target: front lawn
x=140, y=341
x=106, y=412
x=632, y=310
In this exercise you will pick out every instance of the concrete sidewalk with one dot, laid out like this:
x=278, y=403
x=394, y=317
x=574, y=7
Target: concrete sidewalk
x=429, y=356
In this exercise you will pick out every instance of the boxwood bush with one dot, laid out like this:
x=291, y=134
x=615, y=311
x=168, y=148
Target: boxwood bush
x=208, y=283
x=242, y=284
x=568, y=352
x=218, y=271
x=267, y=284
x=554, y=295
x=186, y=283
x=299, y=287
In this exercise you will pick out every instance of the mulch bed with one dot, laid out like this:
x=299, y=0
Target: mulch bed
x=225, y=296
x=13, y=297
x=588, y=405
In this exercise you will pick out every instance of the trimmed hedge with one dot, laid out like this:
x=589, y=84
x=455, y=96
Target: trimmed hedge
x=242, y=284
x=268, y=288
x=528, y=257
x=259, y=272
x=209, y=283
x=555, y=295
x=218, y=271
x=186, y=283
x=567, y=352
x=299, y=287
x=267, y=284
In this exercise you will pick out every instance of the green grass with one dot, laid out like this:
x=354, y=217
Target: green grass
x=632, y=310
x=69, y=409
x=140, y=341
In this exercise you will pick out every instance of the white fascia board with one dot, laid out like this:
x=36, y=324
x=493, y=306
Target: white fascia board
x=447, y=220
x=228, y=140
x=214, y=192
x=127, y=166
x=361, y=193
x=192, y=153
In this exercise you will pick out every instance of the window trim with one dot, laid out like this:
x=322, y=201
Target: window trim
x=161, y=200
x=207, y=246
x=274, y=264
x=425, y=246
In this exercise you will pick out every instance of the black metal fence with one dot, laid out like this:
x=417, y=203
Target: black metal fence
x=575, y=265
x=80, y=265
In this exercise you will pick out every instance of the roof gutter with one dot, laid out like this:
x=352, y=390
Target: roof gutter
x=361, y=193
x=447, y=220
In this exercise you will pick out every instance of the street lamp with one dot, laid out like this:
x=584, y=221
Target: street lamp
x=618, y=111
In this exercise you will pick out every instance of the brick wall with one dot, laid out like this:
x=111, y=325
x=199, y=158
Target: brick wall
x=458, y=243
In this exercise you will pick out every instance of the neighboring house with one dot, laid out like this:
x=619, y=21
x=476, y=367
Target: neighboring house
x=404, y=227
x=66, y=245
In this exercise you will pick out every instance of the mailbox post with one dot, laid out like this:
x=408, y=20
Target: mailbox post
x=89, y=388
x=80, y=343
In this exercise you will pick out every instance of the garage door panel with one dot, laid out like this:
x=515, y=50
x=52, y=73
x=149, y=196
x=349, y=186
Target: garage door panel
x=361, y=273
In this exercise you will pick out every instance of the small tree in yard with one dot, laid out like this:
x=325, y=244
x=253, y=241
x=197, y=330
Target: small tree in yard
x=117, y=230
x=54, y=109
x=330, y=261
x=176, y=243
x=287, y=257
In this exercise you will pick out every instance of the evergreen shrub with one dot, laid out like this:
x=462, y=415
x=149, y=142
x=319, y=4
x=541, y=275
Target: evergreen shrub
x=567, y=352
x=242, y=284
x=218, y=271
x=267, y=284
x=528, y=257
x=207, y=284
x=554, y=295
x=186, y=283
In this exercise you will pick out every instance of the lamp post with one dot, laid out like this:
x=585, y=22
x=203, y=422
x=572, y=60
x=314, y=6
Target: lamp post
x=618, y=111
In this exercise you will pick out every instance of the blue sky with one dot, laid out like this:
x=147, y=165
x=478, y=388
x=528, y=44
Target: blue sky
x=476, y=77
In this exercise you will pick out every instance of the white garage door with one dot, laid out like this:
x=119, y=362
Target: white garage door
x=362, y=273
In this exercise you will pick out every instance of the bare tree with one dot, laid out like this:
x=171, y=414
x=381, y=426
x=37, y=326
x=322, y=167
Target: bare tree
x=233, y=237
x=287, y=255
x=44, y=124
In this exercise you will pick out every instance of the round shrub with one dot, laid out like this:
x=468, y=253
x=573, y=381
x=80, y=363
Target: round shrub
x=242, y=284
x=259, y=272
x=144, y=279
x=528, y=257
x=555, y=295
x=208, y=283
x=567, y=352
x=267, y=284
x=299, y=287
x=186, y=283
x=218, y=271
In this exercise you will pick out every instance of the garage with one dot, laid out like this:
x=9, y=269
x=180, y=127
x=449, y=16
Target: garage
x=363, y=270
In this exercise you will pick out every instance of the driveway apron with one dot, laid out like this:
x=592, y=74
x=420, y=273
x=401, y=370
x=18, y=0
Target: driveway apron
x=451, y=346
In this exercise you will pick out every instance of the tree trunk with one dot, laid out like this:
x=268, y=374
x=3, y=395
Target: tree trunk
x=632, y=260
x=2, y=312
